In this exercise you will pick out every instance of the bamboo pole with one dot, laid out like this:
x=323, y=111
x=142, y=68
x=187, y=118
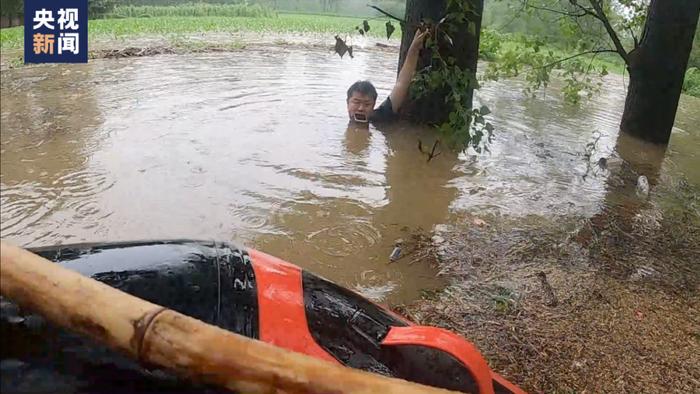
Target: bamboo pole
x=159, y=336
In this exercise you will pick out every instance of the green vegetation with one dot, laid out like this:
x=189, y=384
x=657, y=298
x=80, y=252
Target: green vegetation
x=354, y=8
x=12, y=38
x=193, y=9
x=97, y=8
x=691, y=85
x=515, y=54
x=450, y=82
x=11, y=8
x=179, y=24
x=528, y=25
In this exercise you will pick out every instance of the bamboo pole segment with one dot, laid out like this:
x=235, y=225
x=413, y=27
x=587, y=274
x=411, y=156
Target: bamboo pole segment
x=158, y=336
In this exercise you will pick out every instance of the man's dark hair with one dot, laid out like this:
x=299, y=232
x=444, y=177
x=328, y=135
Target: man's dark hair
x=363, y=87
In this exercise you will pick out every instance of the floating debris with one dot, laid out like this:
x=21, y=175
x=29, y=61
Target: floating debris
x=396, y=253
x=549, y=297
x=479, y=222
x=643, y=272
x=437, y=240
x=642, y=186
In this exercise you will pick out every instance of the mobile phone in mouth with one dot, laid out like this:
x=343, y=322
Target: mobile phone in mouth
x=360, y=118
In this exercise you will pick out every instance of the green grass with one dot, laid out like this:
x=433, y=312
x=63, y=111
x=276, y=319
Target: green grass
x=198, y=9
x=691, y=84
x=12, y=38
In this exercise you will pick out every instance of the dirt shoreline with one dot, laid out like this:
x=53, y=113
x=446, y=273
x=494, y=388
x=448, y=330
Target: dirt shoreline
x=200, y=43
x=557, y=310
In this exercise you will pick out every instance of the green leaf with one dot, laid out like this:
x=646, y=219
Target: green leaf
x=389, y=29
x=340, y=47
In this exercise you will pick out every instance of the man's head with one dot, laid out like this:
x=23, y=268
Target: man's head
x=361, y=99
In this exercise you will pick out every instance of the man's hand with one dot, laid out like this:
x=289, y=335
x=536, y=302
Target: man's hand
x=418, y=40
x=400, y=91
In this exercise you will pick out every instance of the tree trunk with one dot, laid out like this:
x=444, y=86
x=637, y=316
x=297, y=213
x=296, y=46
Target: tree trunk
x=657, y=69
x=467, y=42
x=465, y=51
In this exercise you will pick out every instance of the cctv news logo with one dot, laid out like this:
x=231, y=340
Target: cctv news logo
x=55, y=31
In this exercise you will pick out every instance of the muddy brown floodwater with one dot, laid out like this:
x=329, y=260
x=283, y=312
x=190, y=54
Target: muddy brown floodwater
x=254, y=146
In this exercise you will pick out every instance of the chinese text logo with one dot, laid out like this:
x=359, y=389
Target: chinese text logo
x=55, y=31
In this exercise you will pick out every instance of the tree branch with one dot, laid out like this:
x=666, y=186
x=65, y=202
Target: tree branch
x=634, y=37
x=596, y=51
x=555, y=11
x=611, y=32
x=598, y=13
x=386, y=13
x=586, y=11
x=590, y=64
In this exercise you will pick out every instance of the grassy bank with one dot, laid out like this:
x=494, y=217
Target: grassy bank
x=12, y=38
x=198, y=9
x=691, y=85
x=130, y=21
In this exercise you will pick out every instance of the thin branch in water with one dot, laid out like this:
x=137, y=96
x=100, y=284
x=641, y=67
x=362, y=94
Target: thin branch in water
x=432, y=151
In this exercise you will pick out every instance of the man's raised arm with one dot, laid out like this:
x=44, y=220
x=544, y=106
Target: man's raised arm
x=400, y=92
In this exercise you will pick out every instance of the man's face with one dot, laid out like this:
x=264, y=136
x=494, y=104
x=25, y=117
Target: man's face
x=360, y=107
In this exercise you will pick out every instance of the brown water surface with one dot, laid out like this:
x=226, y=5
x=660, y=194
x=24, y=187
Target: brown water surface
x=254, y=147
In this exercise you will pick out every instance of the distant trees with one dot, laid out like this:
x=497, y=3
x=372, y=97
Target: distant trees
x=654, y=40
x=98, y=8
x=341, y=7
x=11, y=13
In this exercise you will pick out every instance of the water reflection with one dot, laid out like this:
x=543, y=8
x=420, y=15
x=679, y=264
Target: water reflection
x=340, y=237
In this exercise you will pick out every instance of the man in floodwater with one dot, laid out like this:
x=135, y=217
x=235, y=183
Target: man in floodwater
x=362, y=96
